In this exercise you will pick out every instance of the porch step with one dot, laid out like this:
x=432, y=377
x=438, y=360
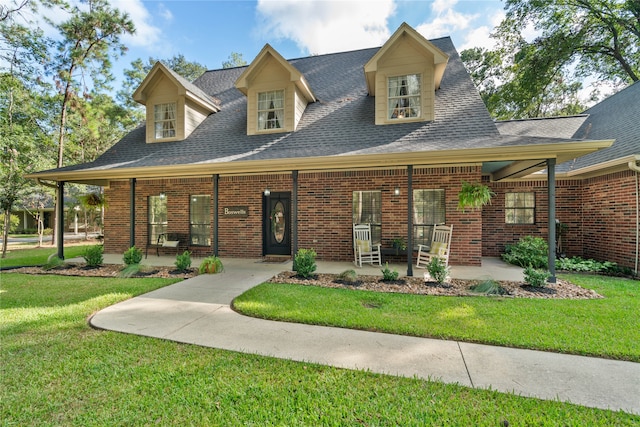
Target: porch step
x=276, y=259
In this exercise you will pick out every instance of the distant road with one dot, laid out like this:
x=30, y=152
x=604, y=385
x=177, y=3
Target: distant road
x=67, y=237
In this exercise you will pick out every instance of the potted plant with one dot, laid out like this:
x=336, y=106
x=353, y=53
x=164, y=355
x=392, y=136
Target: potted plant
x=474, y=196
x=211, y=265
x=399, y=244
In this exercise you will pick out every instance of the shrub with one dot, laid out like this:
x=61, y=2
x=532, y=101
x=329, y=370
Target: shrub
x=305, y=262
x=129, y=270
x=183, y=262
x=211, y=265
x=489, y=287
x=348, y=276
x=535, y=277
x=53, y=262
x=388, y=275
x=579, y=264
x=438, y=270
x=93, y=255
x=529, y=251
x=132, y=255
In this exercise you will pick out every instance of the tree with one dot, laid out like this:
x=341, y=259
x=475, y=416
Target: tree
x=89, y=38
x=22, y=134
x=599, y=39
x=234, y=60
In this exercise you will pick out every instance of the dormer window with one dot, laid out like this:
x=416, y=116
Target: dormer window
x=271, y=110
x=404, y=96
x=165, y=120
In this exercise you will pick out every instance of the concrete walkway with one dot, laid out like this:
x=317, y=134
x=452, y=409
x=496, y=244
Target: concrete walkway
x=197, y=311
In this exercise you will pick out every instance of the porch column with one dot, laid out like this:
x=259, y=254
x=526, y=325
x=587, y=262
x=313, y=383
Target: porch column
x=551, y=196
x=410, y=220
x=60, y=219
x=216, y=179
x=294, y=213
x=132, y=212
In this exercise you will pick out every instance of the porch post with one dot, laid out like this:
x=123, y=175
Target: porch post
x=215, y=213
x=551, y=192
x=132, y=212
x=294, y=214
x=410, y=220
x=60, y=219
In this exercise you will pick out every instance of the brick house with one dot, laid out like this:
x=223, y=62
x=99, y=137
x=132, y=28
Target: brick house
x=287, y=154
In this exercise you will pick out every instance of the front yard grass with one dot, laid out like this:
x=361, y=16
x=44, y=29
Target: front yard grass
x=605, y=327
x=37, y=256
x=56, y=370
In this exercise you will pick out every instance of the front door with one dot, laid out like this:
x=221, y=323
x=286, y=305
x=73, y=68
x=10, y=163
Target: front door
x=277, y=224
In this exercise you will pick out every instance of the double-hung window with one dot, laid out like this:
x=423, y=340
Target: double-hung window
x=165, y=120
x=367, y=209
x=200, y=220
x=271, y=110
x=404, y=96
x=157, y=217
x=428, y=210
x=520, y=208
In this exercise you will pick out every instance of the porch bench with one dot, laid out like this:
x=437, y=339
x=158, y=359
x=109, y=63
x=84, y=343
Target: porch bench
x=165, y=240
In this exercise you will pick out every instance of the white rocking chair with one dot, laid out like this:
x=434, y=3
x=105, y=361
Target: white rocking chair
x=440, y=246
x=363, y=248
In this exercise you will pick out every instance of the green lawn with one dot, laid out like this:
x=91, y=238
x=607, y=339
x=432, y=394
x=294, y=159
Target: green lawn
x=56, y=370
x=604, y=327
x=37, y=256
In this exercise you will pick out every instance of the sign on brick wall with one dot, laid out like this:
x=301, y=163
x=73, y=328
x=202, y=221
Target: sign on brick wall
x=235, y=211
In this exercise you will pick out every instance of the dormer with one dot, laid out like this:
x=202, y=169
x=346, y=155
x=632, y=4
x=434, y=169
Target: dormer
x=277, y=93
x=403, y=76
x=175, y=107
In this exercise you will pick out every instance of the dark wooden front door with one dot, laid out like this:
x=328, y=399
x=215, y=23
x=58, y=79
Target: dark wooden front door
x=276, y=219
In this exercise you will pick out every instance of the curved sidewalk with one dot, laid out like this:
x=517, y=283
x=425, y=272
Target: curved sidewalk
x=196, y=311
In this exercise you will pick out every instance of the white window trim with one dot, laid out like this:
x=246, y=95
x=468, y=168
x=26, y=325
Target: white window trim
x=278, y=111
x=159, y=134
x=403, y=101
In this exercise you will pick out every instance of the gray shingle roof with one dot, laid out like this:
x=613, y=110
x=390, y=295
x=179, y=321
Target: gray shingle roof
x=550, y=127
x=340, y=123
x=616, y=117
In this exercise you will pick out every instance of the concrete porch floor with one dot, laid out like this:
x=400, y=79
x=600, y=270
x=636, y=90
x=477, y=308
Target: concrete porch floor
x=492, y=268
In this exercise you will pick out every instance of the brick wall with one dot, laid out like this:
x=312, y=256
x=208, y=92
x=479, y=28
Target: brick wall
x=610, y=218
x=496, y=233
x=324, y=210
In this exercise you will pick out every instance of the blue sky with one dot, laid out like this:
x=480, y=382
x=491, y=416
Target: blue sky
x=208, y=31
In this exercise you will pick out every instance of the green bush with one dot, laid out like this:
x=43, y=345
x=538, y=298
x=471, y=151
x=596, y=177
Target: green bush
x=348, y=276
x=489, y=287
x=579, y=264
x=183, y=262
x=93, y=255
x=305, y=262
x=438, y=270
x=14, y=223
x=53, y=262
x=129, y=270
x=388, y=275
x=211, y=265
x=132, y=255
x=535, y=277
x=529, y=251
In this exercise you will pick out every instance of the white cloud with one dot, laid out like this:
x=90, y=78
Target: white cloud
x=481, y=36
x=445, y=23
x=147, y=34
x=327, y=26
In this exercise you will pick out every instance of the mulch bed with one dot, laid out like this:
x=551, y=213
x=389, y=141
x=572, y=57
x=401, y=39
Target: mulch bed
x=408, y=285
x=454, y=287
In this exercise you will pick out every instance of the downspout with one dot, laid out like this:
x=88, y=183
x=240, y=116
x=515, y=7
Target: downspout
x=634, y=167
x=132, y=212
x=410, y=220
